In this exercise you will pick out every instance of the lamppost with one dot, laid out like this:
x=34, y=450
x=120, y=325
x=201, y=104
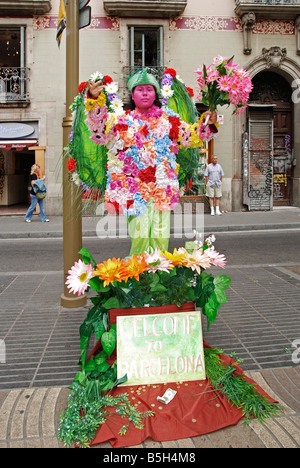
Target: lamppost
x=72, y=208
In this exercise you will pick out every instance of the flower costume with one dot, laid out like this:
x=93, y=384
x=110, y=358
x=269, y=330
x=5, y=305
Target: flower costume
x=147, y=155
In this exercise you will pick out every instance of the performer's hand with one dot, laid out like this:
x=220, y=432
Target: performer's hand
x=95, y=89
x=212, y=117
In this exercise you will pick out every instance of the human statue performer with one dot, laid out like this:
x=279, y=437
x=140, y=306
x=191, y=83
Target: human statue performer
x=138, y=158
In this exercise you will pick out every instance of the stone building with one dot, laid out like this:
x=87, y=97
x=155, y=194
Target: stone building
x=259, y=150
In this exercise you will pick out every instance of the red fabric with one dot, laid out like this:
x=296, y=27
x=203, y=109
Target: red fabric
x=196, y=409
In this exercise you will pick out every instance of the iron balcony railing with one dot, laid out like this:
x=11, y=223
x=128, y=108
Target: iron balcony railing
x=14, y=84
x=269, y=2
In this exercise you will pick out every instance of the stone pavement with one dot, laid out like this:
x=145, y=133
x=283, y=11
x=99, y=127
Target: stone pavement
x=260, y=323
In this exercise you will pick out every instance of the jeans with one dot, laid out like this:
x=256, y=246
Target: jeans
x=34, y=201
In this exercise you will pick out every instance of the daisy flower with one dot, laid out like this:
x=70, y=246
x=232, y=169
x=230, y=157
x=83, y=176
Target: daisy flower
x=167, y=92
x=158, y=261
x=97, y=76
x=117, y=106
x=112, y=88
x=79, y=277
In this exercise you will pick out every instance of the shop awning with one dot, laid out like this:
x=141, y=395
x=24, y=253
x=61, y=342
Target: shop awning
x=17, y=144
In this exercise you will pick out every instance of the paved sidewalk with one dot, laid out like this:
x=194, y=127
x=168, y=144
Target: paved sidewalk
x=280, y=218
x=260, y=323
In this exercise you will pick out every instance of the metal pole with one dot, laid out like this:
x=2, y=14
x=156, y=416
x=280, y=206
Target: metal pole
x=72, y=214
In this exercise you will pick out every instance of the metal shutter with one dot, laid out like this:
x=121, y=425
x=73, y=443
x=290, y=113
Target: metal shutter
x=260, y=165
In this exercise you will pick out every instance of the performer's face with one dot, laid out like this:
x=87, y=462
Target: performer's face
x=143, y=96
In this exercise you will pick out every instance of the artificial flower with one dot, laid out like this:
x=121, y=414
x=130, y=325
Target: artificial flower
x=79, y=277
x=167, y=92
x=157, y=261
x=72, y=165
x=110, y=270
x=135, y=266
x=170, y=71
x=111, y=87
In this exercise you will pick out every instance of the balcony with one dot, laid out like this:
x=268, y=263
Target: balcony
x=145, y=8
x=269, y=9
x=14, y=86
x=24, y=7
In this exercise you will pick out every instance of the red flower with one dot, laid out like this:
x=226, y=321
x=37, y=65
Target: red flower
x=148, y=175
x=170, y=71
x=121, y=127
x=72, y=165
x=82, y=86
x=107, y=80
x=174, y=131
x=144, y=131
x=190, y=91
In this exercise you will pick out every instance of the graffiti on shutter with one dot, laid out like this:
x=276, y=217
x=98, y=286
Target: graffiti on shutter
x=260, y=165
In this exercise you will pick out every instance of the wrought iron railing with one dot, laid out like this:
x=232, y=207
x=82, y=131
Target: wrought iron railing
x=269, y=2
x=14, y=84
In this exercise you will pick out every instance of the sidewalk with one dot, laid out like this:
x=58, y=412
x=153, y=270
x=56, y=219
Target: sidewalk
x=260, y=323
x=280, y=218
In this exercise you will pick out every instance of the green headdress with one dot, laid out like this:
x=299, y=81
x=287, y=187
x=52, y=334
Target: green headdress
x=143, y=77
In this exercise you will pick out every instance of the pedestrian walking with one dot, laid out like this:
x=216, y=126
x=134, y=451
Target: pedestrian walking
x=35, y=175
x=214, y=176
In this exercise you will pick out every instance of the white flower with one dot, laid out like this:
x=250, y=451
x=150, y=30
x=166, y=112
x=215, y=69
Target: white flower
x=75, y=178
x=218, y=60
x=112, y=88
x=97, y=76
x=79, y=276
x=117, y=106
x=167, y=92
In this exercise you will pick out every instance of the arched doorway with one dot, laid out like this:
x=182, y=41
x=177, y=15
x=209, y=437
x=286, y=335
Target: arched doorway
x=271, y=100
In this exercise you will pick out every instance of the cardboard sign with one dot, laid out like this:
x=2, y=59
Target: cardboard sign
x=160, y=348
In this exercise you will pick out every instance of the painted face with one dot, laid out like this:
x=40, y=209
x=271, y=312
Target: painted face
x=143, y=96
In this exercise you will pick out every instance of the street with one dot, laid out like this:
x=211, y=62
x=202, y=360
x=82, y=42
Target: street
x=273, y=247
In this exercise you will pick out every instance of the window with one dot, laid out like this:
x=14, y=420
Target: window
x=12, y=47
x=13, y=74
x=146, y=47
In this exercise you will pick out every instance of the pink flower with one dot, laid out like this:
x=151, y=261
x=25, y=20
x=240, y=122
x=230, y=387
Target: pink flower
x=79, y=277
x=224, y=83
x=212, y=76
x=157, y=261
x=216, y=258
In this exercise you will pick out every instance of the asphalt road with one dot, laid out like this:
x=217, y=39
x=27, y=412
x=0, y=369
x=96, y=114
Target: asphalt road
x=243, y=248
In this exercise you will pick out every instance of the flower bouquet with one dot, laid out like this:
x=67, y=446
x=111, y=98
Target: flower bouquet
x=224, y=83
x=146, y=280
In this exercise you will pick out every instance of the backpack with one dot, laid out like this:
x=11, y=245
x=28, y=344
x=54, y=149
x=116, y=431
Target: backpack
x=40, y=189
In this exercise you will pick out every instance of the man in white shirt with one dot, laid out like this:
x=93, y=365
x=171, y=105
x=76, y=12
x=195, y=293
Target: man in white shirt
x=214, y=175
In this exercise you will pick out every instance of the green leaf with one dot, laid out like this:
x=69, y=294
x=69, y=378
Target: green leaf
x=101, y=357
x=190, y=246
x=210, y=312
x=222, y=281
x=87, y=257
x=159, y=288
x=111, y=303
x=108, y=341
x=220, y=295
x=90, y=365
x=99, y=328
x=103, y=367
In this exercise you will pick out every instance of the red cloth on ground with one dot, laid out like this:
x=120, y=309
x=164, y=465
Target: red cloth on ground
x=195, y=410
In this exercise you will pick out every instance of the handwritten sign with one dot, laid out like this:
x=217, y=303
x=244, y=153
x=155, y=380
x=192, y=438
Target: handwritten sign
x=160, y=348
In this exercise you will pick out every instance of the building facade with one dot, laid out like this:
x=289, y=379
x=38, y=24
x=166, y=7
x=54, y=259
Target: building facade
x=259, y=150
